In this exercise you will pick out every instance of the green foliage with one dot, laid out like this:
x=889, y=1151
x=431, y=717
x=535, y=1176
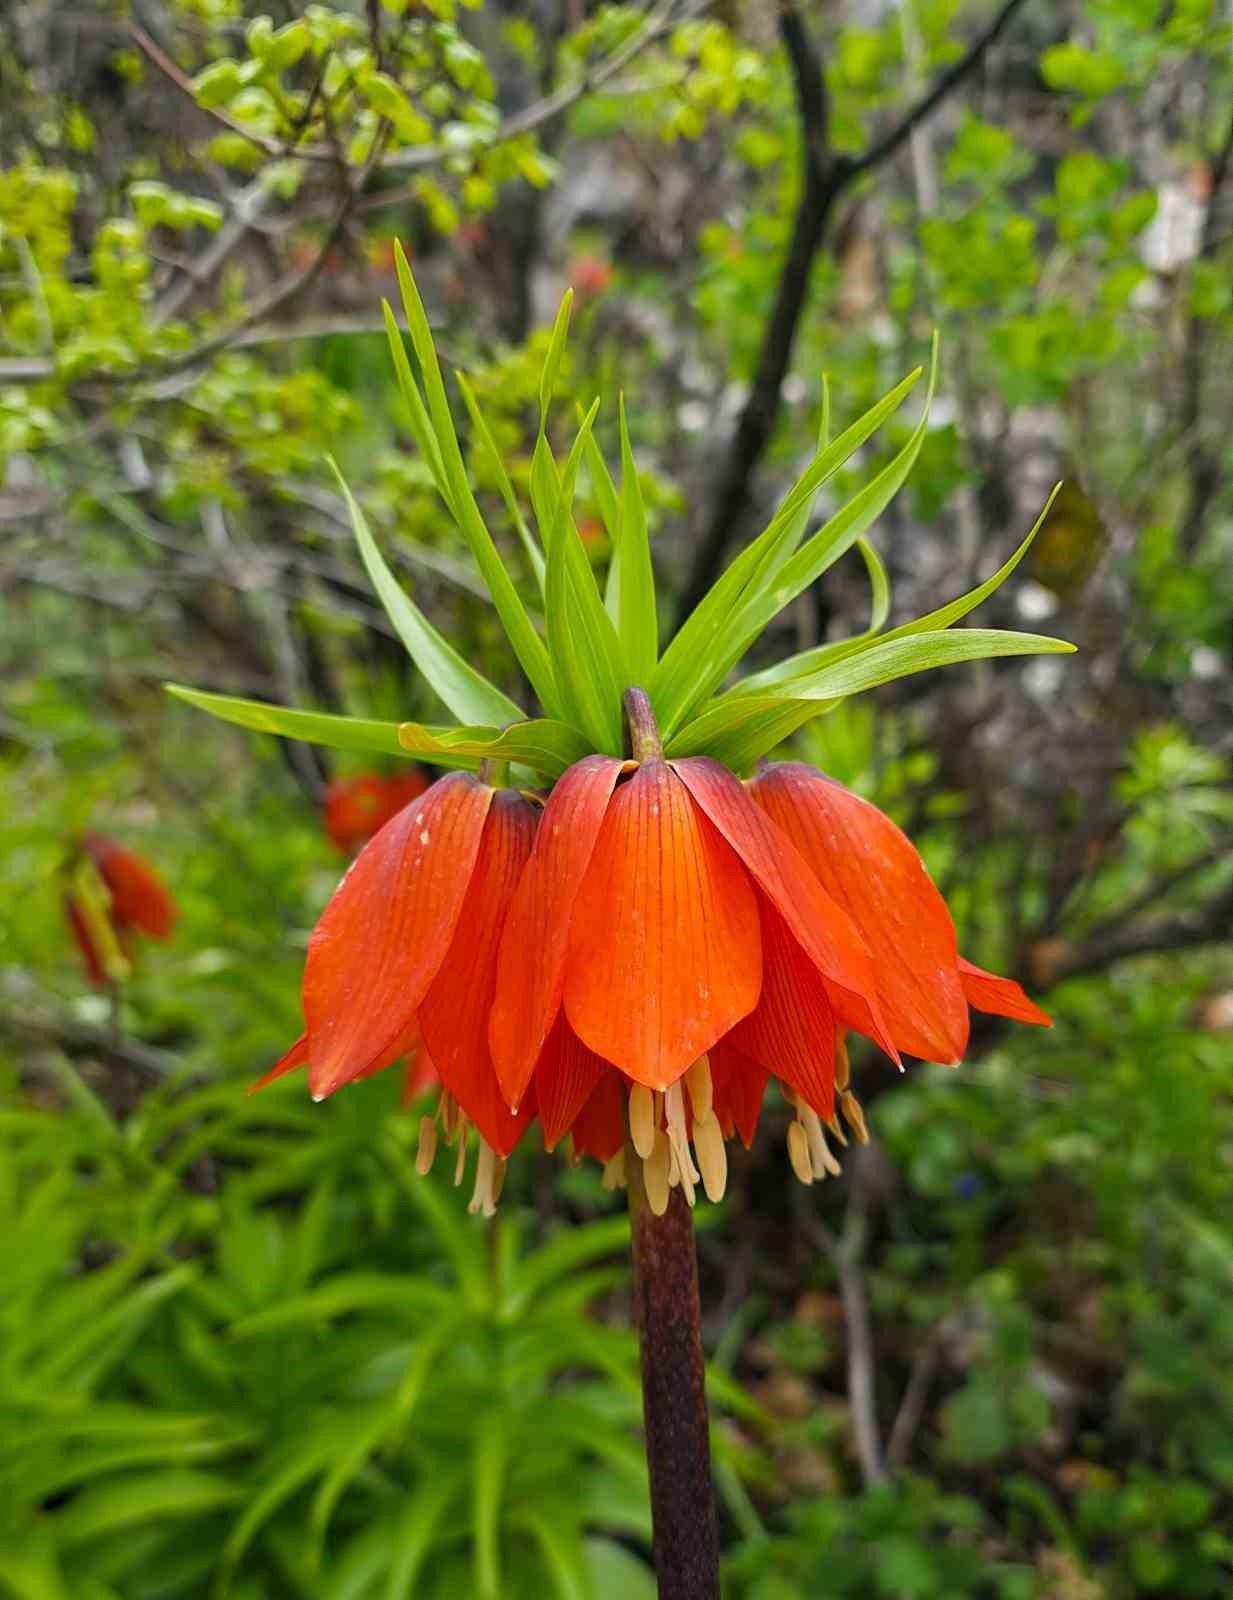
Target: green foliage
x=449, y=1415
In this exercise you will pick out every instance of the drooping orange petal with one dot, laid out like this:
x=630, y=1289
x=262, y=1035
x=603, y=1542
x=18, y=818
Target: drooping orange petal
x=599, y=1128
x=139, y=898
x=822, y=928
x=454, y=1012
x=382, y=938
x=408, y=1043
x=664, y=952
x=738, y=1085
x=875, y=873
x=791, y=1031
x=566, y=1076
x=297, y=1056
x=1003, y=997
x=531, y=963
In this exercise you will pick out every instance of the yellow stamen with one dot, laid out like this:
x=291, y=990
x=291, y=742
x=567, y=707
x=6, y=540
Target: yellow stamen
x=489, y=1176
x=798, y=1152
x=614, y=1171
x=712, y=1155
x=678, y=1134
x=426, y=1153
x=855, y=1116
x=460, y=1163
x=835, y=1131
x=820, y=1157
x=843, y=1067
x=698, y=1082
x=642, y=1119
x=655, y=1174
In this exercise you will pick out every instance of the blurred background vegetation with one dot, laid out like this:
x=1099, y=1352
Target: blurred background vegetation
x=244, y=1350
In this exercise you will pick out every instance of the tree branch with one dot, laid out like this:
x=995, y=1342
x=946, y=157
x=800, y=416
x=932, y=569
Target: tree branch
x=825, y=176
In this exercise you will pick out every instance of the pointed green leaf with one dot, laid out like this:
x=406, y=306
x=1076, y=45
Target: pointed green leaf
x=883, y=660
x=879, y=586
x=552, y=361
x=466, y=692
x=951, y=612
x=421, y=423
x=584, y=641
x=535, y=555
x=313, y=727
x=674, y=685
x=636, y=620
x=527, y=644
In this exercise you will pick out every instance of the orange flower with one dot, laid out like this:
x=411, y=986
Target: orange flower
x=355, y=808
x=652, y=946
x=112, y=894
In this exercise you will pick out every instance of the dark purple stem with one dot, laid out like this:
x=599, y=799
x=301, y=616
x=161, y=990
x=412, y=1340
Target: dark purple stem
x=678, y=1445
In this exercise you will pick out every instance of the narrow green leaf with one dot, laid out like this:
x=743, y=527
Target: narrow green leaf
x=526, y=643
x=535, y=556
x=489, y=1458
x=954, y=609
x=417, y=1529
x=879, y=586
x=549, y=747
x=674, y=684
x=584, y=641
x=636, y=619
x=466, y=692
x=421, y=422
x=140, y=1498
x=552, y=361
x=313, y=727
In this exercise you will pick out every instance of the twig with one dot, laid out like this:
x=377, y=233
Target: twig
x=847, y=1256
x=1205, y=470
x=924, y=1369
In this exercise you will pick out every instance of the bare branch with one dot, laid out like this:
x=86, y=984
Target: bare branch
x=824, y=178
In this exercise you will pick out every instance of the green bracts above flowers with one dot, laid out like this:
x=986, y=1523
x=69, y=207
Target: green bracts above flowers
x=580, y=646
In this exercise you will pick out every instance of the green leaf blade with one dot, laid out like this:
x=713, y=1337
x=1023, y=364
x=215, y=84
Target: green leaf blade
x=637, y=623
x=466, y=692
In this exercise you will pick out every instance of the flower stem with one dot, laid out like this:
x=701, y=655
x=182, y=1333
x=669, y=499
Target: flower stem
x=642, y=731
x=678, y=1446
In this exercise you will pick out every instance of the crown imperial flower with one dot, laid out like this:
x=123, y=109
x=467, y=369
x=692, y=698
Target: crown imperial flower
x=110, y=895
x=614, y=918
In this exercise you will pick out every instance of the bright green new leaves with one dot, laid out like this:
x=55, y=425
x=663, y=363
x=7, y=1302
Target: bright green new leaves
x=597, y=646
